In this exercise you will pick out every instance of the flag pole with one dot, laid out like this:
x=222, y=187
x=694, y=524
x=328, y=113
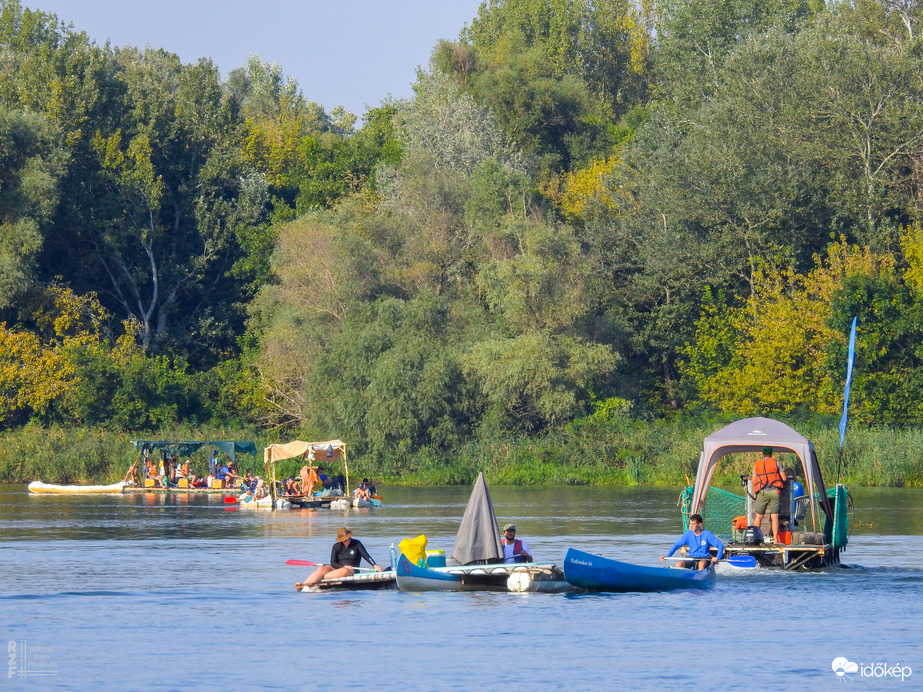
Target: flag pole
x=850, y=358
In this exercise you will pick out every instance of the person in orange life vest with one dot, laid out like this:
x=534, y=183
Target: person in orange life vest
x=514, y=549
x=186, y=472
x=768, y=481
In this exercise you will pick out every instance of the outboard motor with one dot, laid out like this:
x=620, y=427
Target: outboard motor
x=753, y=535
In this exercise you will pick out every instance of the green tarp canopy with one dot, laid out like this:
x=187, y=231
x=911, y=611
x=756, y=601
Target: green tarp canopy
x=188, y=446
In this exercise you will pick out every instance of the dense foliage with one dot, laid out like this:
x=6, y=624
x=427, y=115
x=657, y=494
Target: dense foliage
x=589, y=215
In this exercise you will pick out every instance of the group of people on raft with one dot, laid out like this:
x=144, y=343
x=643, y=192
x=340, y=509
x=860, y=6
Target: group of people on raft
x=312, y=478
x=170, y=473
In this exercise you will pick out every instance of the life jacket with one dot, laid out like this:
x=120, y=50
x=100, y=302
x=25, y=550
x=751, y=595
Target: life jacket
x=517, y=550
x=766, y=474
x=185, y=469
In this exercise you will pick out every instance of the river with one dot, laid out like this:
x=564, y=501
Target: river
x=138, y=592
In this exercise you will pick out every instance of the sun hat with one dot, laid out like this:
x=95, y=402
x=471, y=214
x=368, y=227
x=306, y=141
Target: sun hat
x=343, y=534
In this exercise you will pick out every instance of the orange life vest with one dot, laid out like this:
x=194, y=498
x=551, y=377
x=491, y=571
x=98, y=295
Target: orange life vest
x=766, y=474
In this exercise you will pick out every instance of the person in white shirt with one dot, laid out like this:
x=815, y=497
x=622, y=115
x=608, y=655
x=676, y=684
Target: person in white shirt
x=514, y=549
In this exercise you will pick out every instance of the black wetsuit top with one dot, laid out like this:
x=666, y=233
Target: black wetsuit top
x=341, y=556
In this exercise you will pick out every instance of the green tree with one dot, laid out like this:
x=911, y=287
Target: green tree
x=31, y=163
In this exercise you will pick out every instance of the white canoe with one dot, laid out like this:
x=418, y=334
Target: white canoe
x=48, y=488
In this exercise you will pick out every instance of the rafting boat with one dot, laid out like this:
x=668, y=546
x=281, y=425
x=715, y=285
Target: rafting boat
x=813, y=520
x=141, y=479
x=360, y=581
x=48, y=489
x=476, y=561
x=518, y=578
x=598, y=573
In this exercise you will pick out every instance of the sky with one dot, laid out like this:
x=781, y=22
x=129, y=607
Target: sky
x=352, y=53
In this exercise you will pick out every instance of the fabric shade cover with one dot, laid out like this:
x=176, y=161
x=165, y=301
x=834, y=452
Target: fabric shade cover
x=330, y=451
x=478, y=539
x=184, y=448
x=751, y=435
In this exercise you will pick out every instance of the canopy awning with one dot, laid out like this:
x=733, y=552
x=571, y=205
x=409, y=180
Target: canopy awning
x=751, y=435
x=330, y=451
x=186, y=447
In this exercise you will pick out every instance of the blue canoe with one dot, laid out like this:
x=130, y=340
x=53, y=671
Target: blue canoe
x=602, y=574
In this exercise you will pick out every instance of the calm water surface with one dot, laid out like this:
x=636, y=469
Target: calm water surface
x=148, y=592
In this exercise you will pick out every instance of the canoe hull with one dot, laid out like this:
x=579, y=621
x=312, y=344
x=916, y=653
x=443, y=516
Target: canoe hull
x=603, y=574
x=49, y=489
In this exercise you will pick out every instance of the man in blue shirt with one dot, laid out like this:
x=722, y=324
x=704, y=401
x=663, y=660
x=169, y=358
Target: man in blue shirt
x=699, y=542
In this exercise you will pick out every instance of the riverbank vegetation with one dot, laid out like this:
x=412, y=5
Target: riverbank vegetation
x=597, y=231
x=589, y=452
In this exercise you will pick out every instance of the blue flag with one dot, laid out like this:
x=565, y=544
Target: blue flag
x=849, y=361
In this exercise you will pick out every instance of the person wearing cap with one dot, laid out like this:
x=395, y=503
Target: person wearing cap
x=768, y=482
x=345, y=556
x=514, y=549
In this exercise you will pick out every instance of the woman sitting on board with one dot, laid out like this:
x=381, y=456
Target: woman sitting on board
x=345, y=557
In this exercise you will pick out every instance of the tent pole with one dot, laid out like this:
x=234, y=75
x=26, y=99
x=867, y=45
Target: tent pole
x=346, y=466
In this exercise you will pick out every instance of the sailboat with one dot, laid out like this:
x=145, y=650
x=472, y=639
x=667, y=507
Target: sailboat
x=476, y=560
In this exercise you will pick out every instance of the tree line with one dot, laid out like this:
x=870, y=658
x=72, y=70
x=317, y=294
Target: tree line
x=589, y=211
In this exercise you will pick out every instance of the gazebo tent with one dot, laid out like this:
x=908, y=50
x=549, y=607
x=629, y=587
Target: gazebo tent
x=751, y=435
x=330, y=451
x=187, y=447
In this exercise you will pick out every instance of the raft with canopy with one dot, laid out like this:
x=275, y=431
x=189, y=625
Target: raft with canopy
x=330, y=452
x=184, y=448
x=814, y=527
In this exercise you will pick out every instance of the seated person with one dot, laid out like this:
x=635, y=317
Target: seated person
x=345, y=557
x=227, y=475
x=151, y=472
x=186, y=472
x=362, y=491
x=290, y=486
x=260, y=489
x=249, y=480
x=699, y=541
x=373, y=490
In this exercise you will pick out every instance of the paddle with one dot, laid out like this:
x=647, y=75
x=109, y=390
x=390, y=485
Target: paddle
x=306, y=563
x=228, y=500
x=734, y=560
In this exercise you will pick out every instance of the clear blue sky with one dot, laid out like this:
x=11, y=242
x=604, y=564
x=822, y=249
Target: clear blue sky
x=353, y=53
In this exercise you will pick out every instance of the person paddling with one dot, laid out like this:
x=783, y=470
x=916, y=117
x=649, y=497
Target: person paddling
x=700, y=541
x=345, y=557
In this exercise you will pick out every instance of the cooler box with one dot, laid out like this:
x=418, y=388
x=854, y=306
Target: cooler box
x=435, y=558
x=215, y=483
